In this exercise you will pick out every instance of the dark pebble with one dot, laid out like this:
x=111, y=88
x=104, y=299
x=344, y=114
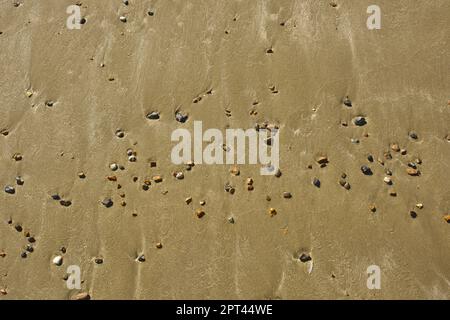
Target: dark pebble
x=107, y=202
x=366, y=170
x=305, y=257
x=153, y=115
x=316, y=182
x=360, y=121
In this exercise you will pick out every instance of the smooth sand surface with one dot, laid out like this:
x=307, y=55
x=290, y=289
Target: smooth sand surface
x=109, y=74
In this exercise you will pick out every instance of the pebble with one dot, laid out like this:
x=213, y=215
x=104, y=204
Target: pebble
x=413, y=135
x=188, y=200
x=231, y=220
x=199, y=213
x=229, y=188
x=180, y=117
x=278, y=173
x=19, y=181
x=387, y=180
x=395, y=147
x=81, y=296
x=57, y=261
x=447, y=218
x=18, y=228
x=412, y=171
x=235, y=171
x=81, y=175
x=65, y=203
x=304, y=257
x=347, y=102
x=123, y=19
x=141, y=258
x=17, y=157
x=360, y=121
x=10, y=189
x=56, y=197
x=316, y=182
x=366, y=170
x=287, y=195
x=153, y=115
x=24, y=255
x=120, y=133
x=49, y=103
x=132, y=158
x=125, y=2
x=392, y=193
x=323, y=160
x=107, y=202
x=98, y=260
x=413, y=214
x=272, y=212
x=372, y=208
x=370, y=158
x=159, y=245
x=419, y=205
x=113, y=166
x=179, y=175
x=157, y=179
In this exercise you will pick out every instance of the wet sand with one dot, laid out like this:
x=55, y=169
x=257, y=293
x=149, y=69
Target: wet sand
x=65, y=93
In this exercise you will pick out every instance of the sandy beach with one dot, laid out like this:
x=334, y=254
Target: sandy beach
x=87, y=178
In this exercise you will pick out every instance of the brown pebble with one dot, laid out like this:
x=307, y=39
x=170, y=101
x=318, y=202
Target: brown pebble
x=188, y=200
x=111, y=178
x=250, y=188
x=372, y=208
x=249, y=181
x=392, y=193
x=17, y=157
x=322, y=160
x=268, y=198
x=287, y=195
x=200, y=213
x=159, y=245
x=235, y=171
x=81, y=175
x=412, y=172
x=81, y=296
x=395, y=147
x=447, y=218
x=272, y=212
x=3, y=292
x=157, y=179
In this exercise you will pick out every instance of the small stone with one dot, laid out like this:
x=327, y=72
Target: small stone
x=360, y=121
x=413, y=135
x=366, y=170
x=447, y=218
x=17, y=157
x=272, y=212
x=56, y=197
x=157, y=179
x=18, y=228
x=49, y=103
x=98, y=260
x=150, y=13
x=29, y=248
x=372, y=208
x=31, y=240
x=200, y=213
x=278, y=173
x=153, y=115
x=347, y=102
x=250, y=187
x=419, y=205
x=412, y=165
x=388, y=172
x=347, y=186
x=268, y=198
x=229, y=188
x=395, y=147
x=81, y=175
x=29, y=93
x=370, y=158
x=387, y=180
x=304, y=257
x=403, y=151
x=392, y=193
x=387, y=156
x=159, y=245
x=354, y=140
x=202, y=202
x=57, y=261
x=65, y=203
x=24, y=255
x=179, y=175
x=111, y=178
x=231, y=220
x=2, y=254
x=413, y=214
x=141, y=258
x=180, y=117
x=316, y=182
x=19, y=181
x=107, y=202
x=412, y=171
x=81, y=296
x=123, y=19
x=113, y=166
x=322, y=160
x=120, y=133
x=132, y=158
x=10, y=189
x=249, y=181
x=235, y=171
x=188, y=200
x=287, y=195
x=3, y=292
